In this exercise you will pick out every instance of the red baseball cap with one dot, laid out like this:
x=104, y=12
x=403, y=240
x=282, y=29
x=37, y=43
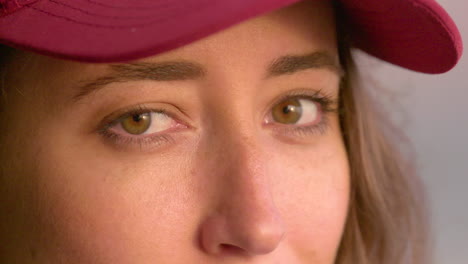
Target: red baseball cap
x=414, y=34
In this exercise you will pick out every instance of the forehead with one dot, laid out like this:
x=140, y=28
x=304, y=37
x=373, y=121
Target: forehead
x=308, y=25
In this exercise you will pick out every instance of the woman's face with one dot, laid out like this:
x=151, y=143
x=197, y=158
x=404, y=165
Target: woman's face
x=227, y=150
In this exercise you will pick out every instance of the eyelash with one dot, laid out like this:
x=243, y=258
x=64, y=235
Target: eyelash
x=153, y=140
x=325, y=103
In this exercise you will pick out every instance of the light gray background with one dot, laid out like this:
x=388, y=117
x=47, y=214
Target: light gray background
x=433, y=111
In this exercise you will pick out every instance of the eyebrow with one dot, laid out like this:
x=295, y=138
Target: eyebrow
x=294, y=63
x=185, y=70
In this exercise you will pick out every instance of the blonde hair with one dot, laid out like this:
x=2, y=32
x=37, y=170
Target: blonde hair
x=387, y=221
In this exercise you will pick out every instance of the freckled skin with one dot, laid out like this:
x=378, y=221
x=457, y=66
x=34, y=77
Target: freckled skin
x=226, y=190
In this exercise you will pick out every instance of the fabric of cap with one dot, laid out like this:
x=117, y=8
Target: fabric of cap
x=415, y=34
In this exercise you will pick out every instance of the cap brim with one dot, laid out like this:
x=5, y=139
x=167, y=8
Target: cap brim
x=417, y=34
x=113, y=31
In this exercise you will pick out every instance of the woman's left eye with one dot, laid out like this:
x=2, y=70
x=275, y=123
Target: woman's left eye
x=301, y=115
x=296, y=111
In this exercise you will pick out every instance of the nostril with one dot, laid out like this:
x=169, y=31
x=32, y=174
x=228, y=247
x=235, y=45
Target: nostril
x=230, y=249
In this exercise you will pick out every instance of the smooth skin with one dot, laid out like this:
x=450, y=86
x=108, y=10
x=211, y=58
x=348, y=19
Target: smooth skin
x=220, y=180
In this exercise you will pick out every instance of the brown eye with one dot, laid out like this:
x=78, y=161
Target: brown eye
x=287, y=112
x=296, y=111
x=136, y=124
x=145, y=123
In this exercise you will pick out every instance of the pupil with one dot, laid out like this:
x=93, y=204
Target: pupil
x=288, y=109
x=137, y=118
x=287, y=112
x=136, y=124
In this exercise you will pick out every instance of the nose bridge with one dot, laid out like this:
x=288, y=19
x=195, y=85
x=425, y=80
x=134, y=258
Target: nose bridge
x=232, y=138
x=247, y=203
x=241, y=163
x=244, y=215
x=249, y=172
x=244, y=168
x=239, y=154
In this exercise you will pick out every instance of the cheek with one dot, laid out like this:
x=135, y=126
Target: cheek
x=312, y=191
x=99, y=209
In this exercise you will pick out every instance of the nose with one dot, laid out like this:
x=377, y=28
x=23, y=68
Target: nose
x=244, y=219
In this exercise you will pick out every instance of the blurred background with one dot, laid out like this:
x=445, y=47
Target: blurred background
x=433, y=112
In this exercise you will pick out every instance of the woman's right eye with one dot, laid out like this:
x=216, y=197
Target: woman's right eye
x=140, y=127
x=144, y=123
